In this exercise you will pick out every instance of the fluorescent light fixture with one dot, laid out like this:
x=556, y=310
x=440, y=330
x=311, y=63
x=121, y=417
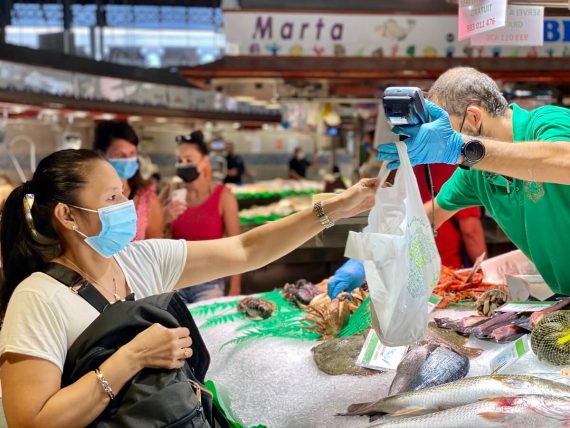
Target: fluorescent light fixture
x=106, y=116
x=244, y=99
x=80, y=114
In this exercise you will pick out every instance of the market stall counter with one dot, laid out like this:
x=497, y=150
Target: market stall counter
x=265, y=368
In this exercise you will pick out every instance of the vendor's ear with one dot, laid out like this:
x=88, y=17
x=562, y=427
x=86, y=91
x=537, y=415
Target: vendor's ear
x=474, y=116
x=64, y=216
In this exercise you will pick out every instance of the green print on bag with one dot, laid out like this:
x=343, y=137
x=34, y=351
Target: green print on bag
x=421, y=251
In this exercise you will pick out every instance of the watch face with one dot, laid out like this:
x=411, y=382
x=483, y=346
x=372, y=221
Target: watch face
x=474, y=151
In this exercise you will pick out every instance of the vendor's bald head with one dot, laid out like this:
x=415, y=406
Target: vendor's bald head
x=466, y=92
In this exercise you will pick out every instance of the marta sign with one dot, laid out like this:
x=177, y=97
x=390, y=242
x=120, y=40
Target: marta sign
x=321, y=34
x=264, y=29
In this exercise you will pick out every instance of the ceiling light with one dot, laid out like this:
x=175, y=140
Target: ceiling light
x=106, y=116
x=80, y=114
x=244, y=99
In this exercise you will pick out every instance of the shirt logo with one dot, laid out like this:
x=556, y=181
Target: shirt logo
x=534, y=190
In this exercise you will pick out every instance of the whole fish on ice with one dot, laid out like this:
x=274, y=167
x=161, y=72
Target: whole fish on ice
x=428, y=365
x=526, y=411
x=460, y=393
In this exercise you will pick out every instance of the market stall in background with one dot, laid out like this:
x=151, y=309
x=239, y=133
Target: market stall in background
x=301, y=82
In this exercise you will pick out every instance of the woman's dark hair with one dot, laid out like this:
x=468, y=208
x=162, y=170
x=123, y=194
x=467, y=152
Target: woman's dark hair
x=108, y=131
x=58, y=178
x=196, y=138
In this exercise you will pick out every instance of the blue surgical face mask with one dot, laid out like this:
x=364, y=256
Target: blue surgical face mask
x=126, y=168
x=118, y=228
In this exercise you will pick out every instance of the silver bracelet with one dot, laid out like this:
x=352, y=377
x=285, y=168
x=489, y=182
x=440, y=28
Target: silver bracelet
x=319, y=211
x=105, y=384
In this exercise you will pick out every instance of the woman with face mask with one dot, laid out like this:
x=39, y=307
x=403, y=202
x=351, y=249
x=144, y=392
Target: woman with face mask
x=118, y=142
x=74, y=213
x=204, y=211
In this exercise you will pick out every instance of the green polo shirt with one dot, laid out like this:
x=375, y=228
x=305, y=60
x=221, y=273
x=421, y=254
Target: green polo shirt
x=535, y=216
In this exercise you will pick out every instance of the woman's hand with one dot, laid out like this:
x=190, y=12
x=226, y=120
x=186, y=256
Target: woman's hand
x=160, y=347
x=173, y=210
x=352, y=201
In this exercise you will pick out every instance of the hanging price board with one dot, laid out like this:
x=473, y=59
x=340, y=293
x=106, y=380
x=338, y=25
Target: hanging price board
x=479, y=16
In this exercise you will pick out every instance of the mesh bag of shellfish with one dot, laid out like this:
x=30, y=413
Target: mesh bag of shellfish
x=550, y=339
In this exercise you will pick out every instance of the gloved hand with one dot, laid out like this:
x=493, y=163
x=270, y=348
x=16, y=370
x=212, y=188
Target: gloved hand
x=347, y=277
x=432, y=142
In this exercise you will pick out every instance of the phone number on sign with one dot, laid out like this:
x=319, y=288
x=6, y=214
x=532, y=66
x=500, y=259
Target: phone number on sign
x=480, y=24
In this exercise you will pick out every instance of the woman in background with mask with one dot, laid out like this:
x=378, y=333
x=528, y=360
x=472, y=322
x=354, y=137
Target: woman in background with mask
x=205, y=211
x=73, y=212
x=118, y=142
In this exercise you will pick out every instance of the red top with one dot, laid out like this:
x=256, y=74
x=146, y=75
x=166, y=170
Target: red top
x=203, y=222
x=143, y=206
x=448, y=238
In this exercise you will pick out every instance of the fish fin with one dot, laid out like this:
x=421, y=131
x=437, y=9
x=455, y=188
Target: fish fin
x=494, y=416
x=363, y=409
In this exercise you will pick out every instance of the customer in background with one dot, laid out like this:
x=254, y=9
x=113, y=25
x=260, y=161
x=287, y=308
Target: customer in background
x=461, y=239
x=299, y=163
x=118, y=142
x=334, y=181
x=367, y=147
x=369, y=165
x=236, y=166
x=208, y=211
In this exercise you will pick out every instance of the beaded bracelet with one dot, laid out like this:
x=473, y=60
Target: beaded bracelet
x=105, y=384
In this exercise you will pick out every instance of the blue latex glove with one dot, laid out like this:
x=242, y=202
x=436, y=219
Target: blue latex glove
x=432, y=142
x=347, y=277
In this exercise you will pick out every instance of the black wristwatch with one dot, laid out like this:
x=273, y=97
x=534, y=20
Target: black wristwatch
x=473, y=151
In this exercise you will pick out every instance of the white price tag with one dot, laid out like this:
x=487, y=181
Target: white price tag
x=511, y=354
x=479, y=16
x=524, y=27
x=374, y=355
x=525, y=306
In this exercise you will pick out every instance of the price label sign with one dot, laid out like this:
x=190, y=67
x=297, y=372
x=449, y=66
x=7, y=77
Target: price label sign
x=524, y=27
x=479, y=16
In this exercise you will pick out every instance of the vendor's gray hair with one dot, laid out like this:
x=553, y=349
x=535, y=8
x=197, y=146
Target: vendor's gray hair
x=460, y=87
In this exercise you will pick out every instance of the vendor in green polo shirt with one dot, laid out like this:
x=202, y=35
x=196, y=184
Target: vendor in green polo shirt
x=477, y=129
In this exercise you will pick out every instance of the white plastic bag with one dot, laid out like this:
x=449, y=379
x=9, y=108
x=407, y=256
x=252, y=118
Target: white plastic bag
x=400, y=257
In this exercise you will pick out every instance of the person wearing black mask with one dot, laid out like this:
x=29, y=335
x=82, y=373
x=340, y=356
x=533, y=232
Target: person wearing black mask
x=205, y=210
x=299, y=163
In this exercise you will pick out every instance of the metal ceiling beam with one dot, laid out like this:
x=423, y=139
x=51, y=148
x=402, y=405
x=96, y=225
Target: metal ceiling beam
x=550, y=70
x=134, y=109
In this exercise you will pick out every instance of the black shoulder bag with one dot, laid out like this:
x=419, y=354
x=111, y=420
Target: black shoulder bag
x=153, y=397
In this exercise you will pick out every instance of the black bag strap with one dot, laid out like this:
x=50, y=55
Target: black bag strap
x=79, y=285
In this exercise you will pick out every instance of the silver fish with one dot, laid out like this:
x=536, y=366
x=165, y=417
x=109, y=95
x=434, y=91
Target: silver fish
x=428, y=365
x=525, y=411
x=460, y=393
